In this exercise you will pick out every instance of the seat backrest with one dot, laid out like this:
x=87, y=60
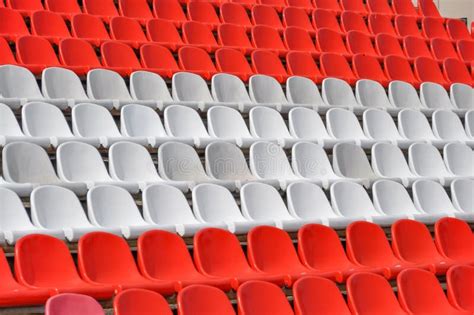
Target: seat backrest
x=294, y=16
x=182, y=121
x=35, y=50
x=387, y=45
x=425, y=160
x=404, y=7
x=353, y=21
x=368, y=67
x=13, y=216
x=170, y=158
x=456, y=71
x=430, y=197
x=351, y=200
x=8, y=124
x=196, y=33
x=25, y=5
x=202, y=12
x=413, y=125
x=44, y=120
x=267, y=62
x=392, y=198
x=18, y=82
x=266, y=15
x=433, y=28
x=135, y=9
x=388, y=161
x=460, y=280
x=265, y=89
x=309, y=160
x=461, y=192
x=225, y=122
x=379, y=125
x=398, y=68
x=371, y=93
x=267, y=123
x=457, y=30
x=7, y=56
x=234, y=13
x=416, y=47
x=105, y=8
x=163, y=31
x=203, y=299
x=78, y=52
x=269, y=161
x=261, y=202
x=462, y=96
x=379, y=6
x=131, y=301
x=62, y=83
x=12, y=23
x=158, y=57
x=63, y=6
x=195, y=59
x=442, y=49
x=465, y=50
x=343, y=124
x=117, y=54
x=360, y=43
x=89, y=120
x=448, y=126
x=338, y=92
x=46, y=23
x=123, y=28
x=326, y=19
x=301, y=197
x=232, y=61
x=300, y=90
x=331, y=41
x=259, y=297
x=190, y=87
x=225, y=161
x=229, y=88
x=169, y=10
x=148, y=86
x=407, y=25
x=428, y=71
x=469, y=122
x=106, y=84
x=336, y=66
x=73, y=304
x=140, y=121
x=454, y=238
x=381, y=24
x=301, y=63
x=305, y=123
x=403, y=95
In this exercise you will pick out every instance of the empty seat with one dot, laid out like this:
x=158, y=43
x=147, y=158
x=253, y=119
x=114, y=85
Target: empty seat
x=165, y=33
x=103, y=9
x=122, y=272
x=304, y=4
x=127, y=30
x=407, y=26
x=199, y=34
x=337, y=92
x=306, y=124
x=443, y=49
x=428, y=71
x=235, y=36
x=342, y=124
x=196, y=60
x=74, y=304
x=326, y=19
x=169, y=10
x=228, y=88
x=371, y=93
x=12, y=25
x=90, y=28
x=457, y=30
x=368, y=292
x=379, y=7
x=302, y=64
x=131, y=301
x=352, y=21
x=356, y=6
x=203, y=12
x=420, y=291
x=433, y=95
x=336, y=66
x=387, y=45
x=461, y=192
x=234, y=13
x=459, y=280
x=66, y=8
x=413, y=125
x=456, y=71
x=266, y=15
x=299, y=39
x=35, y=53
x=119, y=55
x=368, y=67
x=205, y=300
x=297, y=17
x=198, y=94
x=138, y=10
x=360, y=43
x=159, y=60
x=81, y=55
x=416, y=47
x=267, y=37
x=232, y=61
x=43, y=261
x=465, y=48
x=378, y=125
x=25, y=7
x=404, y=8
x=278, y=5
x=267, y=123
x=398, y=68
x=267, y=63
x=381, y=24
x=404, y=95
x=259, y=297
x=264, y=89
x=330, y=41
x=227, y=123
x=7, y=56
x=303, y=91
x=448, y=126
x=454, y=240
x=328, y=5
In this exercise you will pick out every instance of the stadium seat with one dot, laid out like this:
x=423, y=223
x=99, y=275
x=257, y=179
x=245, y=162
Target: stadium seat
x=457, y=30
x=233, y=62
x=7, y=56
x=342, y=124
x=165, y=33
x=458, y=158
x=25, y=7
x=360, y=43
x=381, y=24
x=199, y=35
x=266, y=90
x=336, y=66
x=443, y=49
x=259, y=297
x=74, y=304
x=299, y=39
x=454, y=240
x=202, y=299
x=234, y=13
x=211, y=260
x=407, y=26
x=134, y=301
x=301, y=4
x=196, y=60
x=434, y=28
x=330, y=41
x=199, y=94
x=378, y=125
x=12, y=25
x=413, y=125
x=367, y=245
x=337, y=92
x=398, y=69
x=89, y=28
x=455, y=71
x=370, y=293
x=387, y=45
x=227, y=123
x=128, y=31
x=433, y=96
x=461, y=191
x=326, y=19
x=204, y=13
x=66, y=8
x=119, y=55
x=302, y=64
x=122, y=273
x=267, y=16
x=368, y=67
x=266, y=37
x=427, y=70
x=459, y=280
x=297, y=17
x=356, y=6
x=228, y=88
x=35, y=53
x=328, y=5
x=42, y=261
x=278, y=5
x=404, y=8
x=160, y=60
x=303, y=91
x=80, y=56
x=448, y=126
x=136, y=9
x=379, y=7
x=427, y=8
x=169, y=10
x=100, y=8
x=372, y=94
x=265, y=62
x=420, y=291
x=461, y=96
x=352, y=21
x=469, y=122
x=234, y=36
x=465, y=50
x=404, y=95
x=267, y=123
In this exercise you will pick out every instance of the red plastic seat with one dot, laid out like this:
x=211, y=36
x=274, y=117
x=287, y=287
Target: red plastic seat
x=196, y=60
x=177, y=265
x=427, y=70
x=25, y=7
x=466, y=50
x=6, y=55
x=266, y=37
x=270, y=249
x=278, y=5
x=412, y=242
x=336, y=66
x=139, y=301
x=203, y=12
x=218, y=253
x=199, y=35
x=326, y=19
x=66, y=8
x=164, y=32
x=42, y=261
x=434, y=28
x=332, y=42
x=203, y=299
x=106, y=259
x=416, y=47
x=297, y=17
x=268, y=63
x=234, y=62
x=352, y=21
x=159, y=59
x=35, y=53
x=317, y=295
x=73, y=304
x=302, y=64
x=368, y=293
x=356, y=6
x=386, y=45
x=398, y=68
x=360, y=43
x=259, y=297
x=407, y=26
x=89, y=28
x=136, y=9
x=381, y=24
x=119, y=55
x=306, y=5
x=299, y=39
x=428, y=8
x=443, y=49
x=169, y=10
x=265, y=15
x=419, y=292
x=460, y=280
x=12, y=24
x=128, y=31
x=78, y=53
x=404, y=8
x=105, y=9
x=246, y=3
x=379, y=7
x=49, y=25
x=457, y=30
x=234, y=36
x=367, y=245
x=454, y=240
x=234, y=13
x=328, y=5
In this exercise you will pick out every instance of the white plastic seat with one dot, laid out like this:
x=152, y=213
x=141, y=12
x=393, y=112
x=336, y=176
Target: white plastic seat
x=114, y=207
x=413, y=125
x=57, y=208
x=344, y=126
x=95, y=121
x=261, y=202
x=349, y=160
x=214, y=204
x=267, y=123
x=434, y=95
x=425, y=160
x=392, y=198
x=28, y=163
x=372, y=94
x=14, y=220
x=469, y=122
x=63, y=84
x=302, y=91
x=378, y=125
x=264, y=89
x=459, y=159
x=22, y=190
x=268, y=161
x=462, y=191
x=404, y=95
x=227, y=123
x=131, y=163
x=10, y=130
x=185, y=122
x=81, y=163
x=337, y=92
x=302, y=198
x=351, y=200
x=306, y=124
x=43, y=120
x=430, y=197
x=18, y=86
x=462, y=96
x=448, y=126
x=150, y=87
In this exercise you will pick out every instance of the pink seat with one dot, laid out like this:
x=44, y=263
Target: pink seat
x=73, y=304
